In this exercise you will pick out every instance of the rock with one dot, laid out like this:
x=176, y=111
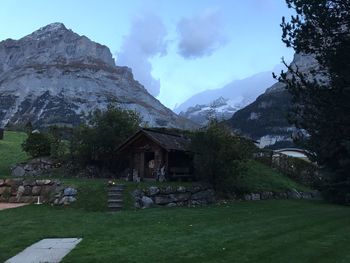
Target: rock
x=266, y=195
x=255, y=197
x=181, y=189
x=281, y=195
x=13, y=182
x=137, y=193
x=305, y=195
x=171, y=205
x=207, y=194
x=247, y=197
x=20, y=192
x=70, y=191
x=5, y=189
x=18, y=171
x=26, y=199
x=162, y=199
x=153, y=190
x=147, y=202
x=294, y=194
x=29, y=182
x=2, y=182
x=180, y=197
x=137, y=204
x=316, y=195
x=167, y=190
x=36, y=190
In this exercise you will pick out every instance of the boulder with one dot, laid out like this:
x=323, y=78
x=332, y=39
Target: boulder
x=147, y=202
x=69, y=191
x=2, y=182
x=167, y=190
x=181, y=189
x=207, y=194
x=137, y=194
x=36, y=190
x=266, y=195
x=294, y=194
x=180, y=197
x=247, y=197
x=29, y=182
x=153, y=190
x=171, y=205
x=255, y=197
x=163, y=199
x=5, y=189
x=18, y=171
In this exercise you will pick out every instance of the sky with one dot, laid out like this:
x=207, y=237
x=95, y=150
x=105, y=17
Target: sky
x=175, y=48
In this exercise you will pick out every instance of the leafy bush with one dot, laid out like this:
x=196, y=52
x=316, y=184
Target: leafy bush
x=37, y=145
x=98, y=143
x=220, y=156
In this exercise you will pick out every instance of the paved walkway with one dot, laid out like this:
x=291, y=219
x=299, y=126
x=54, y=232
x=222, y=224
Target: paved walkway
x=51, y=250
x=4, y=206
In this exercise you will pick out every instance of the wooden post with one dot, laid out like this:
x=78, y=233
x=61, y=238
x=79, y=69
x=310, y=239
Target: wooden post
x=142, y=165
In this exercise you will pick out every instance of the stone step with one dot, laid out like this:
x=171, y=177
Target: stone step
x=110, y=195
x=115, y=207
x=115, y=201
x=117, y=187
x=115, y=191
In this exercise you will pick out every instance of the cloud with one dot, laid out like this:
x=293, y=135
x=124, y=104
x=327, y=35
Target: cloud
x=145, y=40
x=201, y=35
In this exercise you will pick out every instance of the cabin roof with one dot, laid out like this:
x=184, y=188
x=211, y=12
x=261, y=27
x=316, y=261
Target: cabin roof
x=168, y=140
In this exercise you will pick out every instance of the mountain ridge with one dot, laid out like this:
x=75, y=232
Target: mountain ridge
x=55, y=76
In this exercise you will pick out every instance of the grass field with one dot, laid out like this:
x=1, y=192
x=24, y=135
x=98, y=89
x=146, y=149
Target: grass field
x=264, y=231
x=11, y=151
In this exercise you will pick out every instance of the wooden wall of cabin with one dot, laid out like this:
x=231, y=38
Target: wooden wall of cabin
x=148, y=158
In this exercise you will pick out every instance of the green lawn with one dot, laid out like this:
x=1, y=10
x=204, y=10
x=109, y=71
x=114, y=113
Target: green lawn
x=263, y=231
x=10, y=151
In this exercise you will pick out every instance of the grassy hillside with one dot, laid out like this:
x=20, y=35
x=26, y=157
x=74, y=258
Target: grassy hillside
x=259, y=177
x=263, y=231
x=11, y=151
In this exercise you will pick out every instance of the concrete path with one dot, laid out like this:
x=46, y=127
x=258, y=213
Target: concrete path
x=4, y=206
x=51, y=250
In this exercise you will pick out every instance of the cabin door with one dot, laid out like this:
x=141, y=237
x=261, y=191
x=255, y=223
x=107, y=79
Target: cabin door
x=149, y=168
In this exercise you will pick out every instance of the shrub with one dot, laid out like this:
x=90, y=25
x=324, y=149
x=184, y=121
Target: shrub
x=220, y=156
x=37, y=145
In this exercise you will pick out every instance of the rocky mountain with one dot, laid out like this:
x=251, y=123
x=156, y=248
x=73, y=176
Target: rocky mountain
x=55, y=76
x=265, y=120
x=225, y=101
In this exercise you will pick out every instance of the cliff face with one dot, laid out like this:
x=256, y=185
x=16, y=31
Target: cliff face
x=265, y=120
x=55, y=76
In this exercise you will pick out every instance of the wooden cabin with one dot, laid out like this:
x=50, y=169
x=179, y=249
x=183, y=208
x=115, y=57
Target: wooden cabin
x=157, y=155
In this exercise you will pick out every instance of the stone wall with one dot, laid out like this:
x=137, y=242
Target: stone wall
x=199, y=195
x=292, y=194
x=169, y=196
x=21, y=190
x=34, y=167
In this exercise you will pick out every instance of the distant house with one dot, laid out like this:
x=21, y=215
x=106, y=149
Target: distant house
x=154, y=154
x=292, y=152
x=1, y=133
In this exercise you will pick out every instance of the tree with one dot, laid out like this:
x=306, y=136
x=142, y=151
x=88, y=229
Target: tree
x=321, y=99
x=220, y=156
x=97, y=142
x=37, y=145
